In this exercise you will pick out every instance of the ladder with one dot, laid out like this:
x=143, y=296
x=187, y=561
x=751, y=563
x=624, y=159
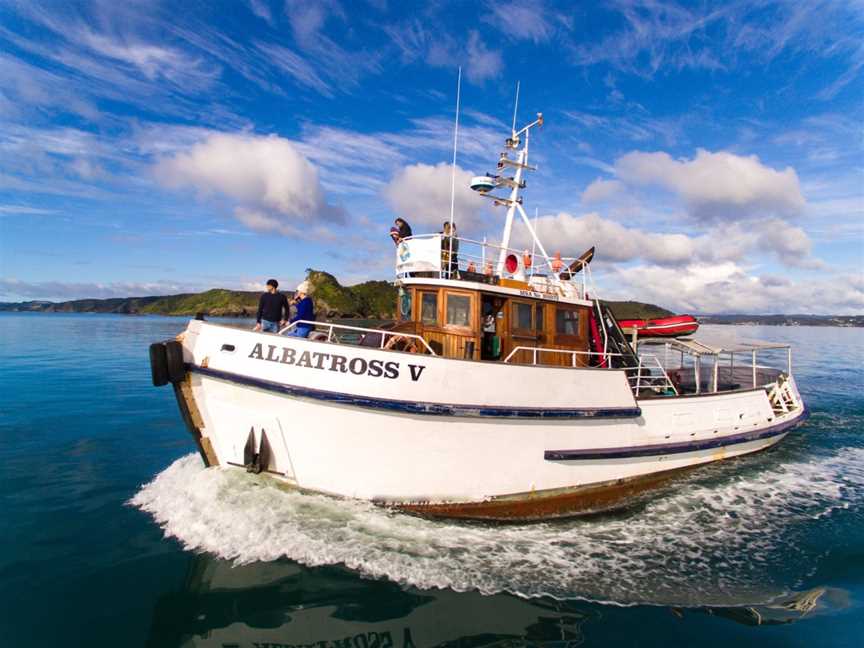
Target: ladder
x=781, y=397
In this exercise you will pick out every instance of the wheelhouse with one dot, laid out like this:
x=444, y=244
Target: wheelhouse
x=526, y=315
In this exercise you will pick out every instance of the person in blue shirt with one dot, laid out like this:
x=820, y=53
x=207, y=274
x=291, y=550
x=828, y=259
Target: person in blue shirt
x=305, y=311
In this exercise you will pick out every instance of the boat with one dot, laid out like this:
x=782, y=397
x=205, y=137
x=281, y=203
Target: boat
x=674, y=326
x=506, y=390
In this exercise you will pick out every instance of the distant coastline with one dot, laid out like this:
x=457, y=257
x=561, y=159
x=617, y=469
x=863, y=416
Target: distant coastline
x=370, y=299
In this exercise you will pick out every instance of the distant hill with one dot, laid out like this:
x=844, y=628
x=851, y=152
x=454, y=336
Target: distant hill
x=371, y=299
x=636, y=310
x=368, y=300
x=785, y=320
x=216, y=302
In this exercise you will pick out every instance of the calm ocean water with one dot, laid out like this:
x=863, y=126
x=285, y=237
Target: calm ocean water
x=114, y=535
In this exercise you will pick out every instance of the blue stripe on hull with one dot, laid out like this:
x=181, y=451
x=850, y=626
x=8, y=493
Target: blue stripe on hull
x=411, y=407
x=673, y=448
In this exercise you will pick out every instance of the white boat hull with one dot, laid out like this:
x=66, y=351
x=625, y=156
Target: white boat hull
x=482, y=441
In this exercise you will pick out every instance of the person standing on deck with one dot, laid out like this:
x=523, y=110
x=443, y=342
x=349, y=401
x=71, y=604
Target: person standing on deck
x=305, y=311
x=450, y=251
x=270, y=309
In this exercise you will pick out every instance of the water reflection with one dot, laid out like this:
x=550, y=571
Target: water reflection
x=283, y=604
x=280, y=604
x=785, y=610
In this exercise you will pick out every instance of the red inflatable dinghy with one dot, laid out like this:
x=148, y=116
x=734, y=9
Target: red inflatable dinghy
x=675, y=326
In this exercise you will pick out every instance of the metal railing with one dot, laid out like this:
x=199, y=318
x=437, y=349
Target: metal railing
x=643, y=373
x=334, y=337
x=432, y=254
x=712, y=366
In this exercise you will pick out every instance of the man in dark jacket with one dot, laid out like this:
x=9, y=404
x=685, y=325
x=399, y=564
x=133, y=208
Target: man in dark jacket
x=270, y=308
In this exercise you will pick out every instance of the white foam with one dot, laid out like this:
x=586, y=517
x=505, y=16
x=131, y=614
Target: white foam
x=708, y=541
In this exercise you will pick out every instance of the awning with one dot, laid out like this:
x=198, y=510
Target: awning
x=713, y=344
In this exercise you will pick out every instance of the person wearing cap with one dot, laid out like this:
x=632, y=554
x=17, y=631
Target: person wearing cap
x=270, y=308
x=305, y=311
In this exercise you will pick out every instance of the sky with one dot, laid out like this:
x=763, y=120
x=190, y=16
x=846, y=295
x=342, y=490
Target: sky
x=712, y=152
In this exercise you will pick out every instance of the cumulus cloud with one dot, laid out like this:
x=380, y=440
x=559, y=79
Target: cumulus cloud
x=727, y=288
x=272, y=185
x=572, y=234
x=723, y=242
x=717, y=185
x=601, y=190
x=420, y=193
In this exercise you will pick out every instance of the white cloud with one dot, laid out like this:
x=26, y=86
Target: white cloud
x=525, y=20
x=717, y=185
x=420, y=193
x=728, y=288
x=295, y=66
x=572, y=234
x=24, y=209
x=601, y=190
x=273, y=185
x=481, y=63
x=12, y=289
x=437, y=48
x=727, y=242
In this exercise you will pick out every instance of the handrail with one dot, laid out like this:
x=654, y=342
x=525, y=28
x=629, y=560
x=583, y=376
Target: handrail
x=487, y=244
x=480, y=257
x=330, y=326
x=573, y=354
x=649, y=380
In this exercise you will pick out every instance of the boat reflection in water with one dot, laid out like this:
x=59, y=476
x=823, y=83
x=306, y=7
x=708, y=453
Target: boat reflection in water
x=283, y=604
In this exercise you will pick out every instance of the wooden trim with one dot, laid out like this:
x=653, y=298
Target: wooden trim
x=418, y=305
x=193, y=420
x=471, y=328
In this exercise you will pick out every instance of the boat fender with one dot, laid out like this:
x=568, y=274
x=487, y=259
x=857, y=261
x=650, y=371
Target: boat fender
x=158, y=364
x=174, y=361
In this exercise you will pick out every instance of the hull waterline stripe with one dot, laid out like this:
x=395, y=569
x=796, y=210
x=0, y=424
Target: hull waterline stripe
x=674, y=448
x=412, y=407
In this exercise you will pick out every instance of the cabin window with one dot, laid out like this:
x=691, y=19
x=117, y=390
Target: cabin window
x=538, y=318
x=429, y=308
x=566, y=322
x=521, y=316
x=459, y=310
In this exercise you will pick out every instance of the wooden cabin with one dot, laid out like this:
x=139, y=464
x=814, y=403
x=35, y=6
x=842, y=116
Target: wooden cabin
x=475, y=320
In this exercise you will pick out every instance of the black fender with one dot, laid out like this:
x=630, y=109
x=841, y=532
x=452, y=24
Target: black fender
x=166, y=362
x=158, y=364
x=174, y=361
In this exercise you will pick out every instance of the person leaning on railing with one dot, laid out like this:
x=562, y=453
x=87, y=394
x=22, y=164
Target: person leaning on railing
x=400, y=230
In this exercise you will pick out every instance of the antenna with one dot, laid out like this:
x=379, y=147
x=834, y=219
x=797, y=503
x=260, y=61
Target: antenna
x=453, y=174
x=515, y=109
x=455, y=140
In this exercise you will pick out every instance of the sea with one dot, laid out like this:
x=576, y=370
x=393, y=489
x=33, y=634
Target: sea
x=112, y=533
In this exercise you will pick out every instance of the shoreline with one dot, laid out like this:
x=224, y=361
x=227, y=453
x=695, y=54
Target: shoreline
x=812, y=321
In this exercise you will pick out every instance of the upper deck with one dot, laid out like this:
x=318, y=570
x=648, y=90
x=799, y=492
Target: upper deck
x=470, y=265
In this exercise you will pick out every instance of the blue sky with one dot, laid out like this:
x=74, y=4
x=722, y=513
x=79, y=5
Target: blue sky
x=712, y=152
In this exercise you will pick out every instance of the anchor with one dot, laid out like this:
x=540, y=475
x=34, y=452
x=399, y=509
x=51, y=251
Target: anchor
x=256, y=456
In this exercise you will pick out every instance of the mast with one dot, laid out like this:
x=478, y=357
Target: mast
x=518, y=142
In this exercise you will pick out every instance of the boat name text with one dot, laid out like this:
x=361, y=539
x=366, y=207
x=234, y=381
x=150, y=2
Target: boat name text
x=334, y=362
x=539, y=295
x=363, y=640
